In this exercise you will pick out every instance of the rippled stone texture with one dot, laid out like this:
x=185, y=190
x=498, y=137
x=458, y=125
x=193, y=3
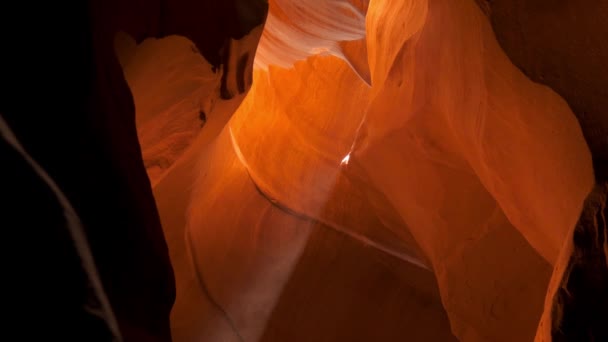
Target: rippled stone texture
x=423, y=148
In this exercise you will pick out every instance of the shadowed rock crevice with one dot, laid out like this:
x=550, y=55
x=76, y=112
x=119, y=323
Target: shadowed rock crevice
x=580, y=308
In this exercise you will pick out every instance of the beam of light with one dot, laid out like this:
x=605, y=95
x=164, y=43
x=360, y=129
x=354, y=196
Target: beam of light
x=340, y=229
x=345, y=160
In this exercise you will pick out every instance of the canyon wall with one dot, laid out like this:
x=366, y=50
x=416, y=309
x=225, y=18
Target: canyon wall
x=435, y=150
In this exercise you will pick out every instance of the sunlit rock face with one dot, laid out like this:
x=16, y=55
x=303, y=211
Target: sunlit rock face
x=388, y=143
x=499, y=124
x=296, y=30
x=279, y=275
x=202, y=95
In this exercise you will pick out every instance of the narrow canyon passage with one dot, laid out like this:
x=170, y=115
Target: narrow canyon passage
x=400, y=131
x=305, y=170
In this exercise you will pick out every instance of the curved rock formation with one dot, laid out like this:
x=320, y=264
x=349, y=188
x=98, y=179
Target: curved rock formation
x=562, y=46
x=447, y=162
x=391, y=174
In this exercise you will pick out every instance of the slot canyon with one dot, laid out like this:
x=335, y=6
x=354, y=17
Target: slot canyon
x=305, y=170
